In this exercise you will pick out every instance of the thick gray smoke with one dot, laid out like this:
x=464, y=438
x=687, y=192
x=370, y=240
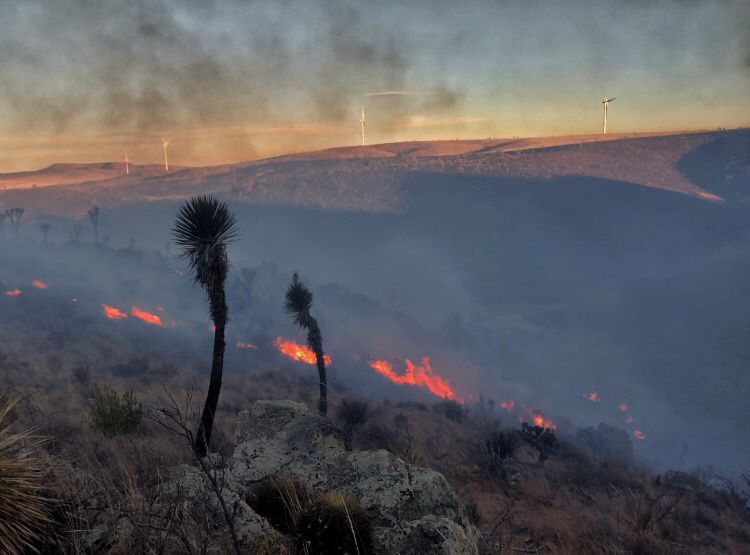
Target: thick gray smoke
x=163, y=64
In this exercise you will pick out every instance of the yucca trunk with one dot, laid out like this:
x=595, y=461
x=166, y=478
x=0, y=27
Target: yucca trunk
x=219, y=311
x=316, y=343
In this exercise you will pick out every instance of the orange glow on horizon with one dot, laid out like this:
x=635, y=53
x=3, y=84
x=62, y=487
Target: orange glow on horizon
x=39, y=284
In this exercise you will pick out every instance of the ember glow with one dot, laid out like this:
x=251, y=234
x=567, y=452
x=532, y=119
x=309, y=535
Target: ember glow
x=298, y=352
x=243, y=345
x=39, y=284
x=639, y=435
x=149, y=317
x=13, y=292
x=593, y=397
x=419, y=376
x=623, y=407
x=113, y=313
x=507, y=405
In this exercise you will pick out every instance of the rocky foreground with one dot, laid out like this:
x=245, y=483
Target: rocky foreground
x=409, y=509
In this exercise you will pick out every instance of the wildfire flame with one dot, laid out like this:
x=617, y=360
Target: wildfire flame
x=536, y=418
x=149, y=317
x=113, y=313
x=507, y=405
x=623, y=407
x=298, y=352
x=420, y=376
x=243, y=345
x=593, y=397
x=39, y=284
x=639, y=435
x=13, y=292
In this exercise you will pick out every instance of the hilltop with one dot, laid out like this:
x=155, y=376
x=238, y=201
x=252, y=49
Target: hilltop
x=372, y=178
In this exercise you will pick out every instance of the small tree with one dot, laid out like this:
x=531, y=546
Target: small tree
x=14, y=215
x=299, y=300
x=45, y=230
x=94, y=217
x=203, y=229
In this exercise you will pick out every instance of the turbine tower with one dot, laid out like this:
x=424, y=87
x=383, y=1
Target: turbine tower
x=605, y=105
x=127, y=164
x=362, y=125
x=165, y=144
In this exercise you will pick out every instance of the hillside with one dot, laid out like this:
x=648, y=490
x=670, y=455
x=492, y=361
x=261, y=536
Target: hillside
x=372, y=178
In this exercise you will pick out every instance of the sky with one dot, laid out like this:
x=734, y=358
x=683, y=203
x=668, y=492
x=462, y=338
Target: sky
x=233, y=80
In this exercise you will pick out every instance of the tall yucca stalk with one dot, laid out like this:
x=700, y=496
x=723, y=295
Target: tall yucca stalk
x=22, y=476
x=299, y=300
x=203, y=229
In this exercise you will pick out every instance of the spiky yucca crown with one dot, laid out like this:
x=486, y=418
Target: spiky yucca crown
x=299, y=300
x=203, y=228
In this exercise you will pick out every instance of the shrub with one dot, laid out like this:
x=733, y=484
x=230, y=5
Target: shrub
x=114, y=415
x=543, y=439
x=499, y=446
x=82, y=374
x=23, y=507
x=450, y=409
x=353, y=414
x=320, y=522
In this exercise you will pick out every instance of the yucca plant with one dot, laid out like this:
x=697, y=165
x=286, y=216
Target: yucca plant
x=203, y=229
x=23, y=505
x=299, y=300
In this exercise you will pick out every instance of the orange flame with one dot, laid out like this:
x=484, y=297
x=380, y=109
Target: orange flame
x=113, y=313
x=243, y=345
x=298, y=352
x=419, y=376
x=593, y=397
x=149, y=317
x=39, y=284
x=536, y=418
x=507, y=405
x=623, y=407
x=13, y=292
x=639, y=435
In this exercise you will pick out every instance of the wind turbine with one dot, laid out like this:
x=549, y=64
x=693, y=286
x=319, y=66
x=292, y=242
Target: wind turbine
x=362, y=125
x=605, y=105
x=165, y=144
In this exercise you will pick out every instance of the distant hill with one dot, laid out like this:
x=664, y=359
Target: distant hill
x=370, y=178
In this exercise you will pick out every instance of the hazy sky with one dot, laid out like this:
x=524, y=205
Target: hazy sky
x=234, y=80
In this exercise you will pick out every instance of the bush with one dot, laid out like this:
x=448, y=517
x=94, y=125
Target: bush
x=320, y=522
x=450, y=409
x=23, y=507
x=113, y=415
x=543, y=439
x=499, y=446
x=353, y=414
x=82, y=374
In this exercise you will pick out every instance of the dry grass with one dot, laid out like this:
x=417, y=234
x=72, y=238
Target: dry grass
x=572, y=503
x=23, y=505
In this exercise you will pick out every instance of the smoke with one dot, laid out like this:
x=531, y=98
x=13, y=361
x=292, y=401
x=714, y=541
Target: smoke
x=160, y=65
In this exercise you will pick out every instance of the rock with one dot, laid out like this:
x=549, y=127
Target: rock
x=193, y=488
x=413, y=509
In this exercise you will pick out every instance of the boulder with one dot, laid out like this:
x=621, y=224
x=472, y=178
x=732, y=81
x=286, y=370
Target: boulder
x=413, y=510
